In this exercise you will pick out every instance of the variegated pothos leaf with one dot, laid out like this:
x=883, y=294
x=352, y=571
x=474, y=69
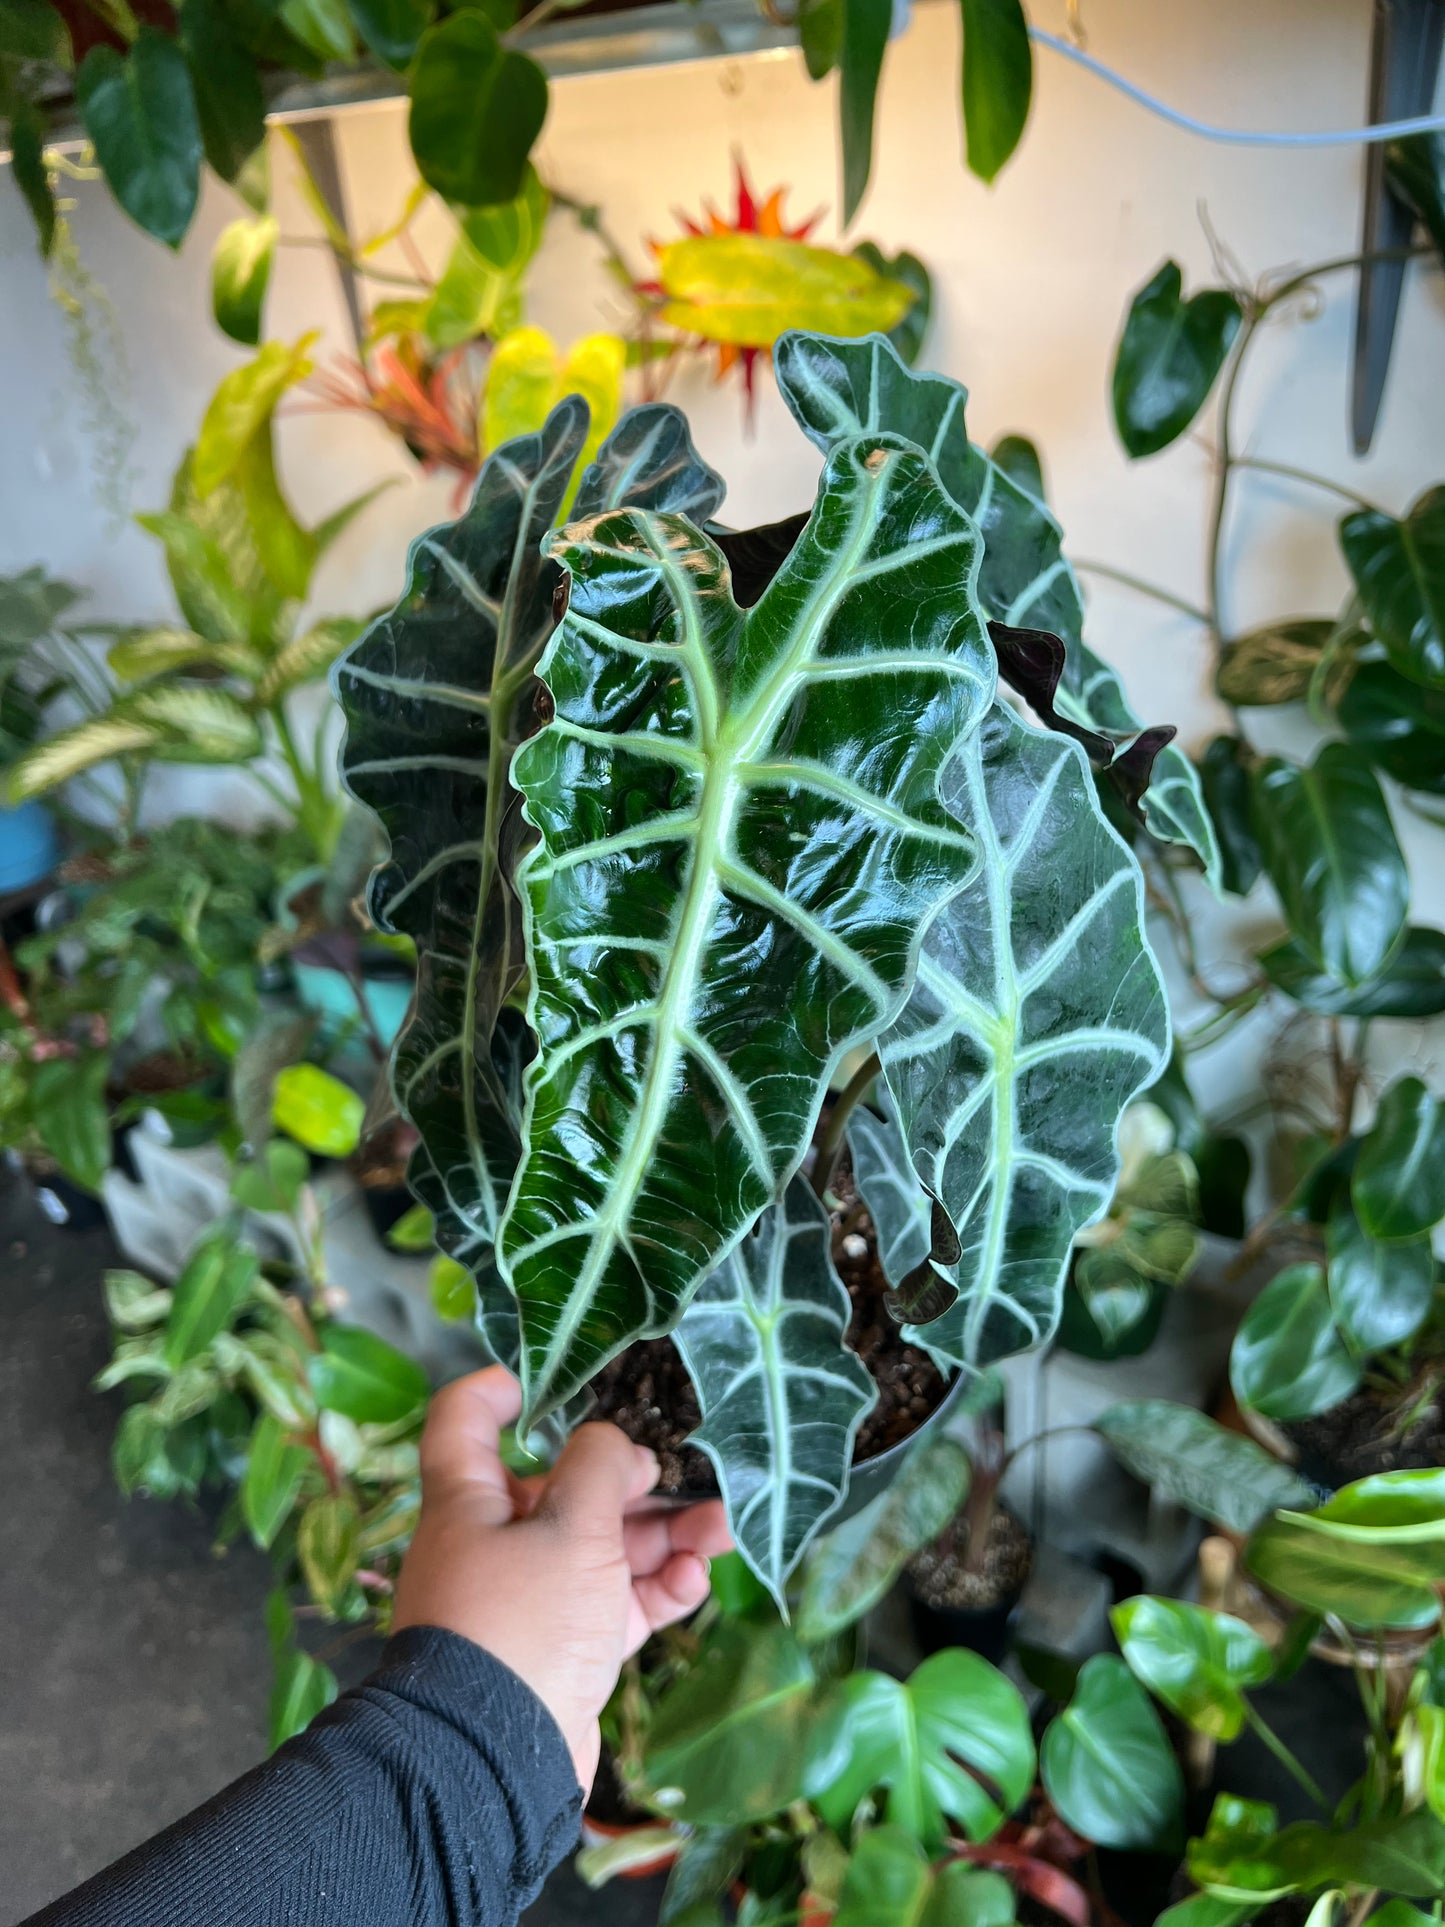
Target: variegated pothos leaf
x=782, y=1398
x=437, y=694
x=840, y=388
x=741, y=845
x=1037, y=1015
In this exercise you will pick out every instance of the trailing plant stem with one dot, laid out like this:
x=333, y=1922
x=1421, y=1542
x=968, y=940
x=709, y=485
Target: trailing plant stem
x=1286, y=1759
x=1141, y=587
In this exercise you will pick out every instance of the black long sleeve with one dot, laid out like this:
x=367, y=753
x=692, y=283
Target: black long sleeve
x=437, y=1794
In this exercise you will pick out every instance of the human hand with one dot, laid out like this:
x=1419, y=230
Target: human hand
x=560, y=1576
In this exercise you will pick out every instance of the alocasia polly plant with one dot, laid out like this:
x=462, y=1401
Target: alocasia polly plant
x=758, y=806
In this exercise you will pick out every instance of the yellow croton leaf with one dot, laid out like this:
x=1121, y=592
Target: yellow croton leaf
x=528, y=376
x=747, y=289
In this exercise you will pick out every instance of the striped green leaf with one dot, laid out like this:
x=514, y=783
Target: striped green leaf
x=1037, y=1016
x=437, y=695
x=897, y=1203
x=781, y=1397
x=742, y=842
x=840, y=388
x=173, y=722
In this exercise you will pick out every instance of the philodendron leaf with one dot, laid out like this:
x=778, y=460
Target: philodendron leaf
x=840, y=388
x=781, y=1397
x=1411, y=984
x=1037, y=1015
x=1399, y=571
x=1398, y=1184
x=952, y=1742
x=1197, y=1662
x=437, y=695
x=1380, y=1293
x=1168, y=357
x=1289, y=1359
x=1375, y=1554
x=1189, y=1459
x=1107, y=1764
x=897, y=1203
x=726, y=897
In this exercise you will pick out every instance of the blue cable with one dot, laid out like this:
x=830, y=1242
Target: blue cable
x=1238, y=136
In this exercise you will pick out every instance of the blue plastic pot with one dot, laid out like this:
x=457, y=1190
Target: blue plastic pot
x=29, y=847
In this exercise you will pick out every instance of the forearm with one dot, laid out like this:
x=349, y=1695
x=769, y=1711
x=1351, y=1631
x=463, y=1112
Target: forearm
x=437, y=1794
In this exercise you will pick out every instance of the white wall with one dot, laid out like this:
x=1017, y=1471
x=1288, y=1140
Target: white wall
x=1031, y=279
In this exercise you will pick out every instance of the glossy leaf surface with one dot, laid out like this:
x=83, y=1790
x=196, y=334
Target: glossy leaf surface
x=139, y=110
x=888, y=1185
x=781, y=1397
x=365, y=1379
x=1374, y=1554
x=477, y=106
x=1399, y=571
x=212, y=1287
x=1329, y=846
x=866, y=27
x=838, y=388
x=1380, y=1293
x=240, y=272
x=1037, y=1015
x=1190, y=1459
x=1198, y=1663
x=437, y=695
x=1399, y=1178
x=998, y=76
x=1224, y=780
x=1107, y=1764
x=1289, y=1359
x=1415, y=169
x=1411, y=983
x=727, y=896
x=890, y=1883
x=1168, y=358
x=1398, y=723
x=917, y=1739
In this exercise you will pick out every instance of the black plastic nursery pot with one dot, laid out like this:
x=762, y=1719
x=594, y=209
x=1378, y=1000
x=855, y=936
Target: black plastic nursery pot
x=984, y=1626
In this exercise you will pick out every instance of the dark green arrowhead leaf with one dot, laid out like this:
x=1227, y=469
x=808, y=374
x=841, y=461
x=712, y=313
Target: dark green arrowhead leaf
x=240, y=272
x=1381, y=1294
x=890, y=1883
x=1399, y=571
x=1107, y=1764
x=1411, y=984
x=1168, y=358
x=1399, y=1179
x=476, y=109
x=728, y=1743
x=1329, y=846
x=271, y=1480
x=1399, y=724
x=837, y=388
x=392, y=28
x=362, y=1377
x=139, y=110
x=68, y=1105
x=1019, y=459
x=952, y=1742
x=1289, y=1359
x=1198, y=1663
x=1415, y=169
x=851, y=1568
x=1224, y=778
x=900, y=1208
x=229, y=102
x=1037, y=1015
x=998, y=79
x=437, y=695
x=1273, y=664
x=213, y=1286
x=703, y=808
x=781, y=1397
x=908, y=334
x=27, y=164
x=1192, y=1461
x=1374, y=1554
x=866, y=26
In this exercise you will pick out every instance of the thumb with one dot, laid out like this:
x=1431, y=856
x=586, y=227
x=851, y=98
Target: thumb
x=598, y=1475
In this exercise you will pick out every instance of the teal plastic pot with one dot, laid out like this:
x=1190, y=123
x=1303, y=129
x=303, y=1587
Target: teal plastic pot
x=29, y=847
x=332, y=995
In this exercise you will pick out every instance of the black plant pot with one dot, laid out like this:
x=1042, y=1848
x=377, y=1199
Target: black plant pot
x=984, y=1630
x=386, y=1205
x=65, y=1204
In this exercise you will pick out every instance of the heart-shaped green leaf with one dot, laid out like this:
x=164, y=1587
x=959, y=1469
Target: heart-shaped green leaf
x=229, y=101
x=271, y=1480
x=1399, y=571
x=1192, y=1461
x=1411, y=983
x=1107, y=1764
x=851, y=1568
x=1380, y=1293
x=437, y=695
x=240, y=272
x=726, y=898
x=477, y=106
x=890, y=1883
x=139, y=110
x=1399, y=724
x=1399, y=1178
x=836, y=389
x=1329, y=846
x=1289, y=1359
x=1374, y=1554
x=1168, y=358
x=917, y=1740
x=392, y=28
x=1198, y=1663
x=1037, y=1016
x=781, y=1397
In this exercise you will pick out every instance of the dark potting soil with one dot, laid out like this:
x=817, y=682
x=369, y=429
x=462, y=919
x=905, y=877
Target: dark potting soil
x=647, y=1392
x=1361, y=1436
x=941, y=1576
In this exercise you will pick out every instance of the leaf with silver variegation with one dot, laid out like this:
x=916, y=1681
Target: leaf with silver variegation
x=782, y=1397
x=887, y=1183
x=437, y=694
x=838, y=388
x=729, y=892
x=1038, y=1014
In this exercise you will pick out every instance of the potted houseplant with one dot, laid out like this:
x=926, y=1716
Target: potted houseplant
x=546, y=796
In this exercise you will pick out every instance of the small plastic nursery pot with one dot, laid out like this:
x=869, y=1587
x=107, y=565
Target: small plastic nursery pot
x=984, y=1629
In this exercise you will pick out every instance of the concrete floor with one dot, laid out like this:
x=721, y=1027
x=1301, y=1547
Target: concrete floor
x=134, y=1670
